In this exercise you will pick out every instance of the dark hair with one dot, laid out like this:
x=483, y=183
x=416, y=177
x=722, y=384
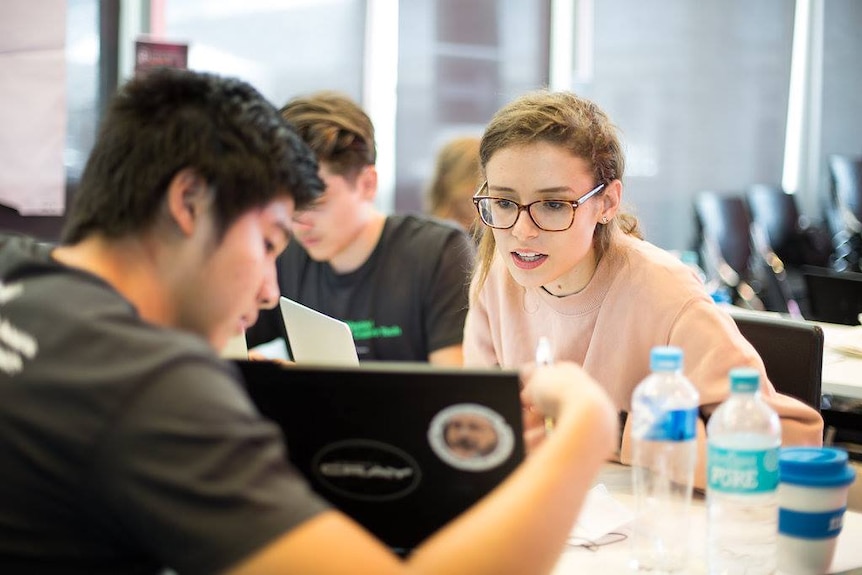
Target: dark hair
x=337, y=129
x=170, y=120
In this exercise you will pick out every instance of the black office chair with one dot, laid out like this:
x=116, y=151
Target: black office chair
x=739, y=255
x=792, y=352
x=788, y=235
x=834, y=297
x=844, y=212
x=723, y=231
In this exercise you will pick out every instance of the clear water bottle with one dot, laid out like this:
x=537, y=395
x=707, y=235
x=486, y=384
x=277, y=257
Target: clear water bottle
x=664, y=455
x=743, y=438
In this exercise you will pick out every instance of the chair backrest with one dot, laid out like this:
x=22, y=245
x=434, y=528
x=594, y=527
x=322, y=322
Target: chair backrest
x=776, y=213
x=845, y=173
x=724, y=218
x=791, y=350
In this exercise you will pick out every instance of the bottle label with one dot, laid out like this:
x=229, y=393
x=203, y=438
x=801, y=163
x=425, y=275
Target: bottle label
x=742, y=470
x=807, y=525
x=674, y=425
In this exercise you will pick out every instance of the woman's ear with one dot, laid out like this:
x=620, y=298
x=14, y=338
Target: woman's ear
x=611, y=197
x=186, y=199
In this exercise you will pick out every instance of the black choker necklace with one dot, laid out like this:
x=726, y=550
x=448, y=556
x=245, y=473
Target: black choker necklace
x=549, y=293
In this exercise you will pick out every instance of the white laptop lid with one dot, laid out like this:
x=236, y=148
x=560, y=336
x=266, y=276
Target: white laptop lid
x=235, y=348
x=313, y=337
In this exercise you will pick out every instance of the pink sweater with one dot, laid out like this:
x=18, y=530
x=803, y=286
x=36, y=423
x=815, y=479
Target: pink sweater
x=639, y=297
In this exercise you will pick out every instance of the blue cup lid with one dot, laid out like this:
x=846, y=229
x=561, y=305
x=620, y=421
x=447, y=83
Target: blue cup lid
x=814, y=466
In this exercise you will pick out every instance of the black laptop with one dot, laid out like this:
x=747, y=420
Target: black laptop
x=834, y=297
x=402, y=448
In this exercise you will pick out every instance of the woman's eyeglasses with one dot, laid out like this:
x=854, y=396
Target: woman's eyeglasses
x=548, y=215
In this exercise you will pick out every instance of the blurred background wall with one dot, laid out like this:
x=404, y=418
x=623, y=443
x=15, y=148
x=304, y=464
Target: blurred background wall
x=714, y=94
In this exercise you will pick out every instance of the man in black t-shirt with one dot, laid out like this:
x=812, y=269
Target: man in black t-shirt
x=126, y=444
x=400, y=282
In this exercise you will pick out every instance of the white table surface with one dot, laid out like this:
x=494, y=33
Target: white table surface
x=614, y=558
x=842, y=372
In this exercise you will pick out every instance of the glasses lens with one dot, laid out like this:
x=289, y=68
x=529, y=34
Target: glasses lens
x=498, y=213
x=552, y=215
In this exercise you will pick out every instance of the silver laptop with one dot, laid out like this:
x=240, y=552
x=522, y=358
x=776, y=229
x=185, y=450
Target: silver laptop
x=235, y=348
x=316, y=338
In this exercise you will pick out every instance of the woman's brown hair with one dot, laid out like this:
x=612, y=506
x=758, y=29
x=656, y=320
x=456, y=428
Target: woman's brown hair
x=573, y=123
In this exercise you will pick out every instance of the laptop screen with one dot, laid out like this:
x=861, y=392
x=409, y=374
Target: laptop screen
x=313, y=337
x=402, y=448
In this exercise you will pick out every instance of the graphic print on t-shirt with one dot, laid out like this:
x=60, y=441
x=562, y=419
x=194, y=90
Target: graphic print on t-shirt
x=15, y=345
x=365, y=329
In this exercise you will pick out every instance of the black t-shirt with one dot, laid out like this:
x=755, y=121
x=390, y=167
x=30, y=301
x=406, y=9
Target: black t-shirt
x=125, y=447
x=407, y=300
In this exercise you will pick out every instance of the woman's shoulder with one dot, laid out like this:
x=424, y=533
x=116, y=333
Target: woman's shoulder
x=653, y=271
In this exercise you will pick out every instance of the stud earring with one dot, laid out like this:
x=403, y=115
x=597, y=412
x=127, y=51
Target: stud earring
x=604, y=219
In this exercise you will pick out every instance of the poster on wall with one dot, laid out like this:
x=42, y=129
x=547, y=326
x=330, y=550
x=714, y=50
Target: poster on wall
x=151, y=54
x=33, y=112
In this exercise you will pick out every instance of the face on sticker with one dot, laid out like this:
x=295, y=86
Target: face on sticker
x=469, y=435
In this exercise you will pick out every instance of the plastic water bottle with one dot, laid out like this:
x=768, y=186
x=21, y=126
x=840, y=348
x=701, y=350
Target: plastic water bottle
x=664, y=454
x=744, y=436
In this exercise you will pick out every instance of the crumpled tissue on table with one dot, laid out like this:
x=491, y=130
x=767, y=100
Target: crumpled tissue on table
x=602, y=519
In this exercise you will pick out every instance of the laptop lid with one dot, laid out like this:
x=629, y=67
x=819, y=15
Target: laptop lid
x=402, y=448
x=313, y=337
x=235, y=348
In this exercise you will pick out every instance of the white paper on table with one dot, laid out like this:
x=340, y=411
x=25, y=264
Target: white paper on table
x=600, y=515
x=849, y=342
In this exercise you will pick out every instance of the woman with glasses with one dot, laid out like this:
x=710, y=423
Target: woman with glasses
x=559, y=258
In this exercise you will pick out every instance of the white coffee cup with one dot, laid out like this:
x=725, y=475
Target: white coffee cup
x=812, y=498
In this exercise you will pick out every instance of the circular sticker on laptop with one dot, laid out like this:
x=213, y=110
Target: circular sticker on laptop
x=471, y=437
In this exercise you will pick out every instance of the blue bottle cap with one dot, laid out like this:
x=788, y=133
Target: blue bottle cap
x=814, y=466
x=721, y=296
x=744, y=379
x=665, y=358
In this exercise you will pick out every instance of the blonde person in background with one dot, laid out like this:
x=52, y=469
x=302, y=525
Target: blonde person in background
x=456, y=177
x=559, y=257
